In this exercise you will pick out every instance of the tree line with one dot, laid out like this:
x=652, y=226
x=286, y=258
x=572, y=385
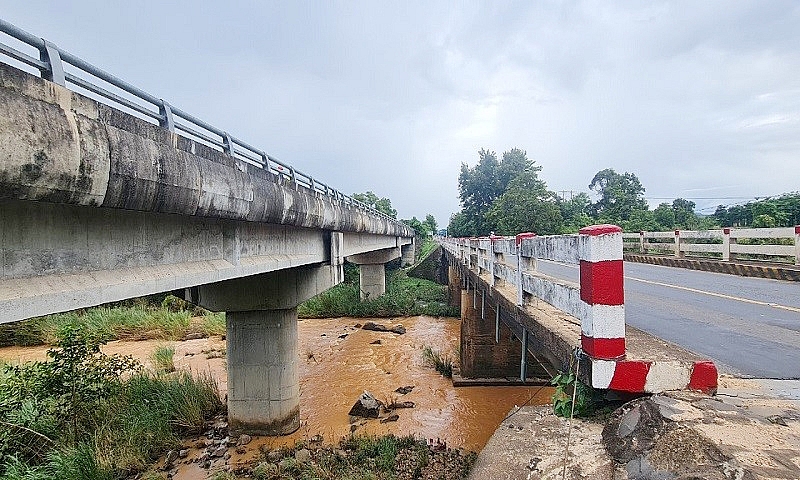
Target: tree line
x=505, y=196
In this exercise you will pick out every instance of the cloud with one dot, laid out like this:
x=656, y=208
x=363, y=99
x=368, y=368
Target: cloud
x=392, y=97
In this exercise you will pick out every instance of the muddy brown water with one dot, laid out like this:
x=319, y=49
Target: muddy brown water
x=338, y=362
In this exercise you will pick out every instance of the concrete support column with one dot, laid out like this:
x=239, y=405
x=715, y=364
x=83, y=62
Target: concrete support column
x=372, y=279
x=726, y=244
x=372, y=270
x=407, y=254
x=454, y=286
x=261, y=318
x=263, y=380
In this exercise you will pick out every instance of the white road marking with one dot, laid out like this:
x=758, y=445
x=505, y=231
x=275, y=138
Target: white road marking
x=702, y=292
x=718, y=295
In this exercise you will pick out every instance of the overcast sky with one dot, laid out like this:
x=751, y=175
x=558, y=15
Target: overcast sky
x=698, y=99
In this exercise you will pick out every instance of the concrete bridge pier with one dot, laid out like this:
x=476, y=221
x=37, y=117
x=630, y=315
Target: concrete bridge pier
x=261, y=317
x=407, y=253
x=372, y=270
x=454, y=281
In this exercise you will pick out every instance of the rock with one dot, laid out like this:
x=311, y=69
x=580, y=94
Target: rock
x=302, y=455
x=219, y=451
x=203, y=457
x=323, y=335
x=274, y=456
x=399, y=329
x=390, y=418
x=357, y=325
x=193, y=336
x=172, y=455
x=375, y=342
x=777, y=420
x=375, y=327
x=402, y=405
x=344, y=335
x=404, y=390
x=633, y=429
x=244, y=439
x=183, y=453
x=317, y=438
x=353, y=428
x=366, y=406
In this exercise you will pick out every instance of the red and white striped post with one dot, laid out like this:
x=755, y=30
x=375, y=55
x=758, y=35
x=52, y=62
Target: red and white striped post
x=602, y=292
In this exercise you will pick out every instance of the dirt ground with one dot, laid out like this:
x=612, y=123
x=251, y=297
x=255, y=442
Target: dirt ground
x=749, y=430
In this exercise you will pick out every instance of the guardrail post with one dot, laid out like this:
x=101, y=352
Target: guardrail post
x=55, y=72
x=602, y=291
x=167, y=120
x=497, y=323
x=726, y=244
x=521, y=266
x=641, y=242
x=491, y=260
x=797, y=245
x=678, y=243
x=227, y=143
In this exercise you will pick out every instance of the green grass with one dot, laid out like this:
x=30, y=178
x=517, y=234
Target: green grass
x=442, y=363
x=163, y=358
x=426, y=248
x=139, y=319
x=83, y=414
x=404, y=296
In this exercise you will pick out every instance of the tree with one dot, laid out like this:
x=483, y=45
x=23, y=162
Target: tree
x=620, y=195
x=430, y=222
x=664, y=216
x=458, y=226
x=482, y=184
x=383, y=205
x=420, y=228
x=575, y=212
x=684, y=213
x=526, y=206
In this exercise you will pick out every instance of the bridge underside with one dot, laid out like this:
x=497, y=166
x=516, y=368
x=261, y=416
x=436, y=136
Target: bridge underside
x=58, y=257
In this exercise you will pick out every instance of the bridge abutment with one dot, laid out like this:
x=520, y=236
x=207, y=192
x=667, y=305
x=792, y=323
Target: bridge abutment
x=407, y=253
x=485, y=351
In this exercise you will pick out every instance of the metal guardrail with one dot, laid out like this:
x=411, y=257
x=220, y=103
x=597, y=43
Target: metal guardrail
x=51, y=66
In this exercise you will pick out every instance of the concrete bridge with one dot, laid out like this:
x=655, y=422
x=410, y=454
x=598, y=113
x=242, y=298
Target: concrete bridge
x=101, y=203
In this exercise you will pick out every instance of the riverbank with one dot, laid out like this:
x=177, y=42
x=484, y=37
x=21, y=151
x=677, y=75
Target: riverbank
x=338, y=361
x=749, y=430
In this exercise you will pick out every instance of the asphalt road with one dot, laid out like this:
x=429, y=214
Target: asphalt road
x=748, y=326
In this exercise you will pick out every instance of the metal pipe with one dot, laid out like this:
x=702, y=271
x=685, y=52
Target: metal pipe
x=523, y=364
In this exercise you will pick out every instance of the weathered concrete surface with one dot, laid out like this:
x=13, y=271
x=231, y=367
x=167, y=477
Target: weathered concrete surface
x=263, y=379
x=530, y=445
x=482, y=356
x=554, y=334
x=59, y=146
x=372, y=280
x=433, y=267
x=97, y=206
x=747, y=433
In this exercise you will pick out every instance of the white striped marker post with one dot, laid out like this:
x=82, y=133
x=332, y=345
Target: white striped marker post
x=602, y=292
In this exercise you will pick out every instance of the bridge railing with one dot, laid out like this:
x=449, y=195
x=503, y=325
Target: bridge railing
x=58, y=65
x=597, y=301
x=771, y=244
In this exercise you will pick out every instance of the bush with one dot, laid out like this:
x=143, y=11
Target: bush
x=57, y=413
x=163, y=358
x=442, y=363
